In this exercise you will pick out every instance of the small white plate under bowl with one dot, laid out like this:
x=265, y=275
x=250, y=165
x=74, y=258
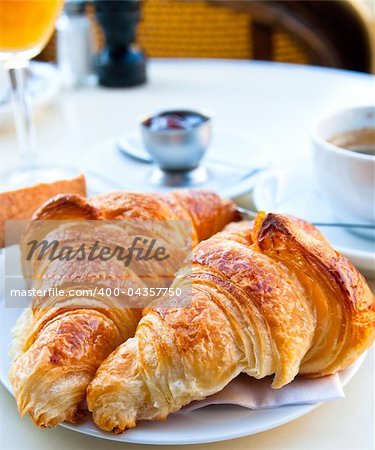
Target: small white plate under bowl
x=298, y=195
x=233, y=162
x=210, y=424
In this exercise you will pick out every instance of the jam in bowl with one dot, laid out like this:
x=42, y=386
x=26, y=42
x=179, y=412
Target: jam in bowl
x=175, y=120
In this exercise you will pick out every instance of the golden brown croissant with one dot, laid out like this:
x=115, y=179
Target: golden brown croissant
x=60, y=345
x=273, y=300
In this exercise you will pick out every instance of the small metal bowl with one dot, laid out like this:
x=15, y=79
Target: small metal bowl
x=177, y=149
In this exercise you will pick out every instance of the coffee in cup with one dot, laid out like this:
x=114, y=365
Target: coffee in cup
x=344, y=159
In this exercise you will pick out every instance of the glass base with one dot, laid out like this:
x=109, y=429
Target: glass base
x=20, y=178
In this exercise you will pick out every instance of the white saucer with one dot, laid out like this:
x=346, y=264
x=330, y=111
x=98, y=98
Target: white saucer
x=43, y=84
x=297, y=195
x=233, y=162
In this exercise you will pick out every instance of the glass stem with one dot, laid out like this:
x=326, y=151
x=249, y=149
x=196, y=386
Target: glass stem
x=22, y=112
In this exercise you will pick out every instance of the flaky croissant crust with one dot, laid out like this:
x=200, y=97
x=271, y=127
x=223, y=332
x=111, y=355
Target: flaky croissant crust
x=269, y=299
x=58, y=348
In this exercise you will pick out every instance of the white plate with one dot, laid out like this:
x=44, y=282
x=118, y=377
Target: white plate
x=231, y=161
x=43, y=85
x=296, y=194
x=210, y=424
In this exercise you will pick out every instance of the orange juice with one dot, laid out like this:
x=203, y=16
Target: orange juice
x=27, y=24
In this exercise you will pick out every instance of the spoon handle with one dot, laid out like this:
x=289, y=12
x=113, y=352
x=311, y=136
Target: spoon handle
x=247, y=214
x=133, y=152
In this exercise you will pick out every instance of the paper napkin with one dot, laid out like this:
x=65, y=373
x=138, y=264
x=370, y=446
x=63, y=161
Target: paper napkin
x=258, y=394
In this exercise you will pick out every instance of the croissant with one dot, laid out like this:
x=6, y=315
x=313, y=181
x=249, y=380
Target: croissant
x=272, y=299
x=59, y=345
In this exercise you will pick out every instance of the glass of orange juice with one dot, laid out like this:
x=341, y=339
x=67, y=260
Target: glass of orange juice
x=25, y=27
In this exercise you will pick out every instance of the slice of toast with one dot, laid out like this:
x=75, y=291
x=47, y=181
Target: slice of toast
x=21, y=203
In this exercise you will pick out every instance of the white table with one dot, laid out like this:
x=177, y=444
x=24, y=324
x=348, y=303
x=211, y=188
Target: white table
x=274, y=102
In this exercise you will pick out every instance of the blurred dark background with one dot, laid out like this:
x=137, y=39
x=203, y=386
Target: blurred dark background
x=326, y=33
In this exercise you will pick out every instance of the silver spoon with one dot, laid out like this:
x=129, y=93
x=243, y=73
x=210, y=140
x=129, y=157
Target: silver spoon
x=133, y=152
x=248, y=214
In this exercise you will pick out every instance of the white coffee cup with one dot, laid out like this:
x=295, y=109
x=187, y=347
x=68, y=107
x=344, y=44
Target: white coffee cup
x=345, y=177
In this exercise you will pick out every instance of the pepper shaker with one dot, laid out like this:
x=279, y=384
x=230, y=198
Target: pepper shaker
x=120, y=64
